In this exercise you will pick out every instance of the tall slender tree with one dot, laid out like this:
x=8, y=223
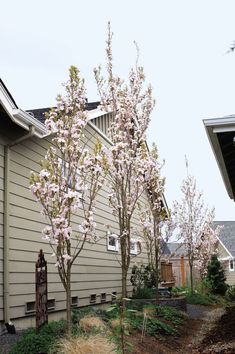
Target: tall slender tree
x=69, y=181
x=131, y=104
x=155, y=220
x=194, y=223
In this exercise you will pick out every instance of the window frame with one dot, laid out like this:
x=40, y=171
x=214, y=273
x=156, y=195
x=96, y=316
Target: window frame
x=231, y=269
x=110, y=247
x=135, y=250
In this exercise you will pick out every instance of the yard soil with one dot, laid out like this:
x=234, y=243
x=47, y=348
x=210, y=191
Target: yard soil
x=206, y=331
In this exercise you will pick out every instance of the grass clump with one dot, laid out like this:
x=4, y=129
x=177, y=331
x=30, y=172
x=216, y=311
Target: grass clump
x=81, y=345
x=90, y=323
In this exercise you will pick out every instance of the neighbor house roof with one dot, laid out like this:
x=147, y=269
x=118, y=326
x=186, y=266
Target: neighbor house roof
x=221, y=134
x=177, y=248
x=39, y=113
x=227, y=235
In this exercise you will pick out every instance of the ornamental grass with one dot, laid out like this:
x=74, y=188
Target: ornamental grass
x=90, y=345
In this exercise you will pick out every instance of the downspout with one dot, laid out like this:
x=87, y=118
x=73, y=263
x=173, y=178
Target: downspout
x=6, y=227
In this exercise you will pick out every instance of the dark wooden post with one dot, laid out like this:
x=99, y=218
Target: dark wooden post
x=41, y=291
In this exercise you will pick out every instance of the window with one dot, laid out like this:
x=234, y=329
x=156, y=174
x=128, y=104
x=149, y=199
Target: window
x=74, y=301
x=231, y=265
x=50, y=304
x=134, y=247
x=112, y=242
x=30, y=307
x=64, y=168
x=103, y=297
x=92, y=298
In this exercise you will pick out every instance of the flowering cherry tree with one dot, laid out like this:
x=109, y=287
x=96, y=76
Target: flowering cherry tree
x=69, y=181
x=195, y=226
x=131, y=104
x=156, y=223
x=207, y=245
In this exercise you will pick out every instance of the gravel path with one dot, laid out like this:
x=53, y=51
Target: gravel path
x=209, y=316
x=197, y=311
x=7, y=341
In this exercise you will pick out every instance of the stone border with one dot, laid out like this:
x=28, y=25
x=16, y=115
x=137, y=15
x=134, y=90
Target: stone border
x=177, y=302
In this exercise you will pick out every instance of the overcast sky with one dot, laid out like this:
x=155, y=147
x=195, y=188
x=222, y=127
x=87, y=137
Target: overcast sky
x=183, y=48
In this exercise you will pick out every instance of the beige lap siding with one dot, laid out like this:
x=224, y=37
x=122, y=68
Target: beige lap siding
x=96, y=270
x=1, y=226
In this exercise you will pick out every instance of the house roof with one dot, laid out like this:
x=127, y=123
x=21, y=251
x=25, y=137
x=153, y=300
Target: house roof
x=177, y=248
x=39, y=113
x=221, y=133
x=17, y=115
x=227, y=235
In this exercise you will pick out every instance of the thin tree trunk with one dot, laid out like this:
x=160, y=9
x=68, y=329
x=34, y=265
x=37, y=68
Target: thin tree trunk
x=68, y=302
x=124, y=277
x=191, y=277
x=156, y=245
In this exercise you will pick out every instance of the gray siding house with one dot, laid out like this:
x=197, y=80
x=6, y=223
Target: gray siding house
x=226, y=249
x=96, y=274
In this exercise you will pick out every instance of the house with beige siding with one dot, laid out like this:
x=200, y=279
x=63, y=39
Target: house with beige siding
x=226, y=249
x=96, y=274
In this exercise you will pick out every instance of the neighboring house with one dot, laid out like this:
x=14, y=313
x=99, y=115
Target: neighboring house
x=177, y=255
x=97, y=273
x=226, y=249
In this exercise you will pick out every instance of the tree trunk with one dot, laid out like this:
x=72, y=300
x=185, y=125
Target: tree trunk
x=191, y=277
x=156, y=265
x=124, y=277
x=68, y=302
x=156, y=273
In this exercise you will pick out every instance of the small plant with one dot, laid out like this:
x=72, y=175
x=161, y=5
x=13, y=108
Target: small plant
x=230, y=293
x=170, y=314
x=153, y=326
x=118, y=313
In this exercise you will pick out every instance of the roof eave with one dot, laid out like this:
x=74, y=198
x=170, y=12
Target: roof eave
x=214, y=126
x=18, y=116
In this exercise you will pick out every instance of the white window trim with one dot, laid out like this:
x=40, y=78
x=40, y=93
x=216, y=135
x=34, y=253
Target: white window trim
x=135, y=250
x=112, y=248
x=231, y=269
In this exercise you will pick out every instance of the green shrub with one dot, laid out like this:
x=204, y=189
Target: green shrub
x=216, y=276
x=143, y=293
x=142, y=276
x=203, y=287
x=35, y=343
x=179, y=290
x=230, y=293
x=199, y=299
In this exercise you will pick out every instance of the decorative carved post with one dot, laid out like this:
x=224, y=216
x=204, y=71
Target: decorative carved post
x=41, y=291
